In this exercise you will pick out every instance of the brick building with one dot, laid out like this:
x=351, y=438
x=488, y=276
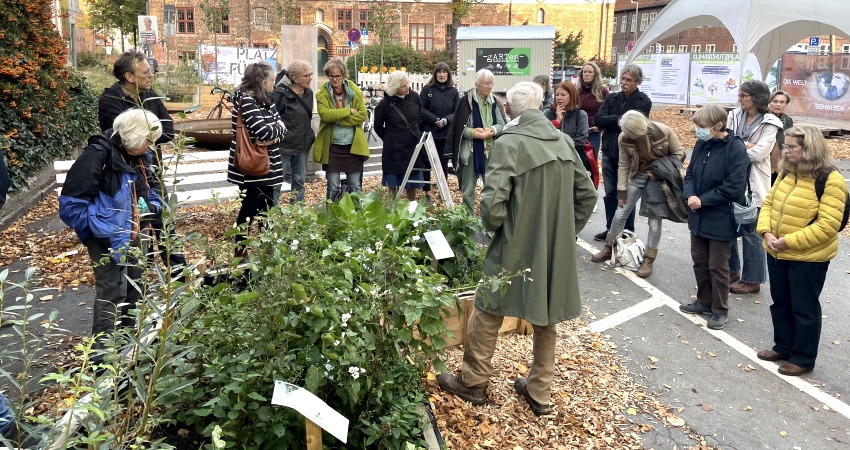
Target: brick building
x=423, y=24
x=631, y=17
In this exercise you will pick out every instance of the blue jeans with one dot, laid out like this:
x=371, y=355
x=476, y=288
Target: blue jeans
x=353, y=182
x=637, y=186
x=754, y=264
x=609, y=178
x=593, y=138
x=5, y=182
x=298, y=164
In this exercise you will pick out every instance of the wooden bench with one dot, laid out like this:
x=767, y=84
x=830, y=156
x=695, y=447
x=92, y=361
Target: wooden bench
x=197, y=177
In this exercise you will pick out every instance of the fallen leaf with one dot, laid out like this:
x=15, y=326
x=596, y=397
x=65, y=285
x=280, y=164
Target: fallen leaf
x=676, y=421
x=652, y=359
x=431, y=376
x=712, y=354
x=707, y=408
x=783, y=433
x=747, y=408
x=46, y=297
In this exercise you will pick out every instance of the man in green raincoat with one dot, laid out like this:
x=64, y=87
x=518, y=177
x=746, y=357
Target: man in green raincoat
x=537, y=197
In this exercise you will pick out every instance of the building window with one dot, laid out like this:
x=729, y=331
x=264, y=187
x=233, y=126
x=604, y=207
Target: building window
x=845, y=49
x=320, y=15
x=845, y=61
x=394, y=36
x=260, y=19
x=615, y=24
x=683, y=49
x=624, y=24
x=696, y=48
x=189, y=58
x=185, y=20
x=541, y=16
x=224, y=22
x=422, y=36
x=644, y=20
x=710, y=48
x=343, y=19
x=824, y=49
x=734, y=48
x=652, y=17
x=365, y=20
x=634, y=23
x=671, y=49
x=613, y=51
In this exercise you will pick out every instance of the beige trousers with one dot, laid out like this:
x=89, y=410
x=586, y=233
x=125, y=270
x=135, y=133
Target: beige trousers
x=482, y=332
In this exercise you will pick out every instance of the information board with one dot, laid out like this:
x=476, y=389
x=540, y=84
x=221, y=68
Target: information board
x=504, y=61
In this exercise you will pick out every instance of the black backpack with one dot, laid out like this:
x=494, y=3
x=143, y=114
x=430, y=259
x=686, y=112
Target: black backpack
x=820, y=184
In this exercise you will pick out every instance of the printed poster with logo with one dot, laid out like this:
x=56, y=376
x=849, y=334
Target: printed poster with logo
x=232, y=62
x=714, y=77
x=665, y=76
x=504, y=61
x=817, y=84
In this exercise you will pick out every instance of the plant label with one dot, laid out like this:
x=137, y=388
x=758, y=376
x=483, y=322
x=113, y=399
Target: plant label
x=311, y=407
x=439, y=245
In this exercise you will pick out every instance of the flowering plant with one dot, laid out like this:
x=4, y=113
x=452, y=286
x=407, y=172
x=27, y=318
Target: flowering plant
x=342, y=301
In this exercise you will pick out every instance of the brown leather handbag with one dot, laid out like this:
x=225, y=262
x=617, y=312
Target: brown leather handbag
x=250, y=158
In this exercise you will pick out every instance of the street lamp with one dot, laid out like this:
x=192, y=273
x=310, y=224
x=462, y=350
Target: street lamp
x=637, y=7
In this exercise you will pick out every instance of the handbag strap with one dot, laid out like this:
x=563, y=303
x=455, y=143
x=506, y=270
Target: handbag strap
x=303, y=104
x=749, y=169
x=397, y=110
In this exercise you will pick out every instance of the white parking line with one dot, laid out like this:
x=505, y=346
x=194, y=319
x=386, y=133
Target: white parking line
x=658, y=298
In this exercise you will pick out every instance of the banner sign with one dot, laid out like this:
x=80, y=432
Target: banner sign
x=817, y=84
x=232, y=62
x=665, y=76
x=147, y=29
x=504, y=61
x=714, y=77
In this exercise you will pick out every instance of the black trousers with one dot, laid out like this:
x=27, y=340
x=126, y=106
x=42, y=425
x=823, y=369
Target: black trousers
x=115, y=295
x=795, y=287
x=257, y=199
x=609, y=177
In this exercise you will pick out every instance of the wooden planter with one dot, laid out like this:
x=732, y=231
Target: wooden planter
x=456, y=323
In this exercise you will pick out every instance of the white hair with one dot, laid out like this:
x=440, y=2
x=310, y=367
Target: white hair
x=483, y=76
x=634, y=124
x=525, y=95
x=394, y=80
x=136, y=127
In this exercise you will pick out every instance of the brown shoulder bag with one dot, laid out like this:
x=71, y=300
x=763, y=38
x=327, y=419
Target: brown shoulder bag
x=250, y=158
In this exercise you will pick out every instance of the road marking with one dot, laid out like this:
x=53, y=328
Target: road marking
x=658, y=298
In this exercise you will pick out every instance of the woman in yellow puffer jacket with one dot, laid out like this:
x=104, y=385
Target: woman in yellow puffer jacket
x=800, y=236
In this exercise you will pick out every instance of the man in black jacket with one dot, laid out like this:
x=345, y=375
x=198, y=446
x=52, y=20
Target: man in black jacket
x=132, y=89
x=608, y=121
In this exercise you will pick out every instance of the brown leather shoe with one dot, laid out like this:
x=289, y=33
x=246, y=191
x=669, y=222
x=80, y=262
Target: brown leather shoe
x=743, y=287
x=769, y=355
x=793, y=370
x=604, y=255
x=454, y=384
x=734, y=277
x=521, y=388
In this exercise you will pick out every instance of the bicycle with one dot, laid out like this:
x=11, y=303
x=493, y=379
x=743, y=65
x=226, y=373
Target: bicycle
x=371, y=104
x=222, y=104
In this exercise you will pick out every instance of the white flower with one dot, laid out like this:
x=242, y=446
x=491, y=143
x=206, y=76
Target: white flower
x=355, y=372
x=415, y=225
x=370, y=251
x=307, y=308
x=345, y=317
x=347, y=254
x=415, y=237
x=336, y=342
x=528, y=269
x=343, y=335
x=439, y=289
x=390, y=227
x=418, y=271
x=294, y=244
x=530, y=279
x=328, y=367
x=379, y=245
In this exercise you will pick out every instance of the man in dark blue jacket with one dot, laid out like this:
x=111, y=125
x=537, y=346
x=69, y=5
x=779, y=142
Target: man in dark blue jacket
x=608, y=121
x=133, y=90
x=108, y=196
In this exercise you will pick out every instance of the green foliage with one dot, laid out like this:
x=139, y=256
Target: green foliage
x=341, y=301
x=93, y=60
x=104, y=15
x=609, y=69
x=399, y=56
x=569, y=46
x=46, y=111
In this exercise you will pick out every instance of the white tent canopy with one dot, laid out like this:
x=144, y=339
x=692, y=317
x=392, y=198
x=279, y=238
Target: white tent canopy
x=766, y=28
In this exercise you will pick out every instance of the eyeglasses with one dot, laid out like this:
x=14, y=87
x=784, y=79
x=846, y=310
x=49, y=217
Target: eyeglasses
x=627, y=80
x=335, y=77
x=742, y=95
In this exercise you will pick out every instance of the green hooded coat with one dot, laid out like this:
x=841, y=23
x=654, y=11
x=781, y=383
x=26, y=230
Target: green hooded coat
x=329, y=116
x=537, y=196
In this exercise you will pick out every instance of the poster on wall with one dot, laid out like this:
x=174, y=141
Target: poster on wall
x=817, y=85
x=147, y=29
x=714, y=77
x=504, y=61
x=665, y=76
x=232, y=62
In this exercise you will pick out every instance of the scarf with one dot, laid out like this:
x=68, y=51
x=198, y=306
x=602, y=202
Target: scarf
x=479, y=159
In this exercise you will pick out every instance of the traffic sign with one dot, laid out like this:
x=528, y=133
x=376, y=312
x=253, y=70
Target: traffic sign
x=814, y=41
x=630, y=46
x=354, y=35
x=365, y=36
x=352, y=45
x=658, y=48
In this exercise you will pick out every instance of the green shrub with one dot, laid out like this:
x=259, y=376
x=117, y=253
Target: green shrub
x=399, y=56
x=341, y=301
x=46, y=111
x=93, y=60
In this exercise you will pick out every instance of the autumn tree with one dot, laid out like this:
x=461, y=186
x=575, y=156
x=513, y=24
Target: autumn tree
x=568, y=46
x=106, y=15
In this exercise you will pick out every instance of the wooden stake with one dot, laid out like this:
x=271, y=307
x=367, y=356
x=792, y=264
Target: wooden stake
x=314, y=436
